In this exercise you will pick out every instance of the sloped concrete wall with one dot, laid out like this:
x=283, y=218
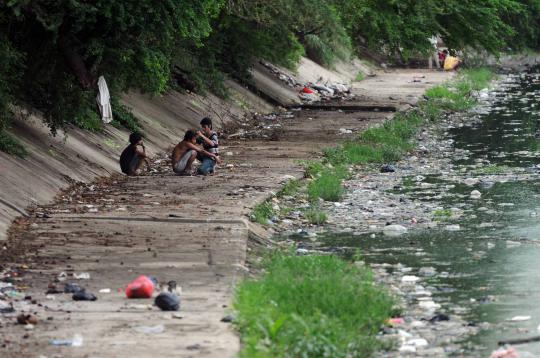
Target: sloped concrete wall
x=81, y=155
x=53, y=162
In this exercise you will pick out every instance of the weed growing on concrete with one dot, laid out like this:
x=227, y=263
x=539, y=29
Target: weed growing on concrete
x=262, y=213
x=310, y=306
x=360, y=77
x=291, y=188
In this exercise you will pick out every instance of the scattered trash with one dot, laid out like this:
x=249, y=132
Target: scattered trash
x=82, y=295
x=61, y=276
x=519, y=318
x=82, y=276
x=307, y=90
x=27, y=319
x=504, y=353
x=387, y=168
x=76, y=341
x=141, y=287
x=72, y=288
x=105, y=290
x=6, y=308
x=150, y=329
x=168, y=301
x=395, y=321
x=53, y=290
x=194, y=347
x=228, y=318
x=439, y=317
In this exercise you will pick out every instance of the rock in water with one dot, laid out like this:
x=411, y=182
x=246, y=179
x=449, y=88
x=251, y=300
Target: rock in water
x=394, y=230
x=475, y=194
x=471, y=181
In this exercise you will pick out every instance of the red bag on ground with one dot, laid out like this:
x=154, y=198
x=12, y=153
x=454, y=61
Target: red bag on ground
x=141, y=287
x=307, y=90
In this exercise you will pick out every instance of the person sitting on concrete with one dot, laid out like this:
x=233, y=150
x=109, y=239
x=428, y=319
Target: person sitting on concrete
x=185, y=153
x=134, y=156
x=209, y=140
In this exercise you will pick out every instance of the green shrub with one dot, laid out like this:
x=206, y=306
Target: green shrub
x=327, y=186
x=310, y=306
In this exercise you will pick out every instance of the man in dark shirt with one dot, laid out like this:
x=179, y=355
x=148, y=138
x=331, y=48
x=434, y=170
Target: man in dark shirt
x=134, y=156
x=209, y=140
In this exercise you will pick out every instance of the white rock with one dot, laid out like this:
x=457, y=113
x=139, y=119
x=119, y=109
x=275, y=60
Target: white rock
x=471, y=181
x=475, y=194
x=429, y=305
x=394, y=230
x=407, y=349
x=418, y=342
x=427, y=271
x=410, y=279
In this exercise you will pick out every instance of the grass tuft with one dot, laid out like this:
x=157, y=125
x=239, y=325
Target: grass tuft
x=292, y=187
x=327, y=187
x=262, y=213
x=310, y=306
x=315, y=216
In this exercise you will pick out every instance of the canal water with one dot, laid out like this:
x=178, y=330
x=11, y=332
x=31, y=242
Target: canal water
x=488, y=269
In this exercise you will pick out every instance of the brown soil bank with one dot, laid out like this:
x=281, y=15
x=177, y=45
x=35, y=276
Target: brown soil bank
x=191, y=230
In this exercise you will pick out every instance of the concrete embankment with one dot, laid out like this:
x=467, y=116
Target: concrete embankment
x=189, y=229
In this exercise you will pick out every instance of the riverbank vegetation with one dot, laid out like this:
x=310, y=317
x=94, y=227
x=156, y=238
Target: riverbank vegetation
x=375, y=146
x=389, y=142
x=310, y=306
x=52, y=52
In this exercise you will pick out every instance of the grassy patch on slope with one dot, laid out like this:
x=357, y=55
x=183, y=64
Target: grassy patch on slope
x=310, y=306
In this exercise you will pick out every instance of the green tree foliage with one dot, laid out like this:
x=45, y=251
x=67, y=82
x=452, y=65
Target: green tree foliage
x=404, y=26
x=67, y=44
x=53, y=51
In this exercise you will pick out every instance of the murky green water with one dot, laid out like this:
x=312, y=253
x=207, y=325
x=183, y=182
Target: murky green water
x=489, y=271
